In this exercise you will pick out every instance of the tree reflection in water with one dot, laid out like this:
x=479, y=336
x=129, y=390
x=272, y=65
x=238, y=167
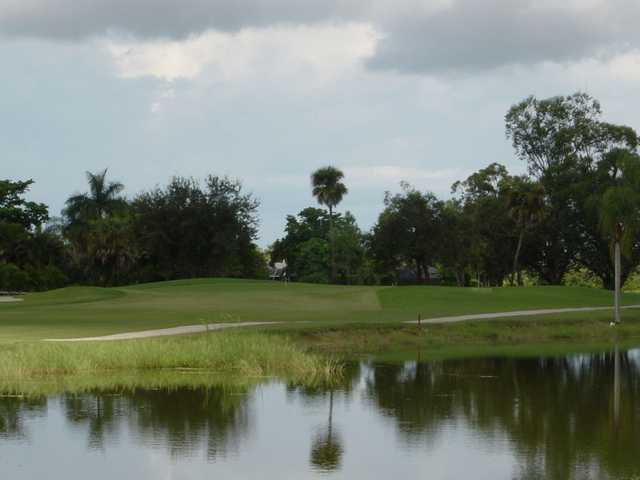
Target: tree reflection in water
x=559, y=414
x=326, y=448
x=182, y=420
x=14, y=411
x=562, y=418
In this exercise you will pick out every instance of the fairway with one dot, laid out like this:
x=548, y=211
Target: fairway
x=92, y=311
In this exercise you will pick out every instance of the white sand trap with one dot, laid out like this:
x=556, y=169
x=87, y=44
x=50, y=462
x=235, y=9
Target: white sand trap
x=9, y=299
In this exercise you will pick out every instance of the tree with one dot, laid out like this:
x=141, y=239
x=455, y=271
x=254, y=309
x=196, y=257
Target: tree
x=16, y=210
x=526, y=205
x=329, y=190
x=30, y=255
x=306, y=248
x=190, y=229
x=307, y=224
x=102, y=200
x=408, y=231
x=112, y=249
x=483, y=197
x=455, y=249
x=562, y=139
x=620, y=212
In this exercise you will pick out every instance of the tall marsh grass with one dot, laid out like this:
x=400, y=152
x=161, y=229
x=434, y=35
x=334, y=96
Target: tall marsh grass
x=225, y=353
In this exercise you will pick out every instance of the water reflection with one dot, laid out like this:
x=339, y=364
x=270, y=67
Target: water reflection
x=563, y=416
x=181, y=420
x=15, y=411
x=326, y=449
x=556, y=418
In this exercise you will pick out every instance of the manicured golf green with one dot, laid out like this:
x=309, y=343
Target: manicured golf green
x=88, y=311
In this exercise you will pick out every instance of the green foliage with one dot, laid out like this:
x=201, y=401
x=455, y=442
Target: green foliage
x=30, y=256
x=490, y=227
x=568, y=149
x=619, y=208
x=408, y=232
x=309, y=223
x=246, y=354
x=581, y=277
x=327, y=186
x=312, y=261
x=456, y=248
x=183, y=230
x=187, y=230
x=14, y=209
x=307, y=248
x=13, y=278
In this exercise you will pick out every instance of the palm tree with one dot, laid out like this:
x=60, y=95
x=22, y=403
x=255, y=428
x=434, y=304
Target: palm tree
x=619, y=211
x=525, y=201
x=329, y=190
x=102, y=200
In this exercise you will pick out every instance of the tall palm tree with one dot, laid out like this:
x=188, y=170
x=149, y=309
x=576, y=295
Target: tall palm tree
x=525, y=201
x=329, y=190
x=619, y=211
x=102, y=200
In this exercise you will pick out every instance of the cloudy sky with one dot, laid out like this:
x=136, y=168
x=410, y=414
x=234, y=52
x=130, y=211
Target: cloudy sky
x=268, y=90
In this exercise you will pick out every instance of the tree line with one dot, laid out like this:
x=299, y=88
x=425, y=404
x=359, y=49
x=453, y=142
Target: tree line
x=183, y=230
x=573, y=218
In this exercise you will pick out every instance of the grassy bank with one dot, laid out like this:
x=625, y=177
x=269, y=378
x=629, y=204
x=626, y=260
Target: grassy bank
x=539, y=333
x=244, y=355
x=316, y=322
x=87, y=311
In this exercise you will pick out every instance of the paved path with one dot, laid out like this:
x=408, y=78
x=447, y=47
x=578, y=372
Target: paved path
x=516, y=313
x=9, y=299
x=163, y=332
x=223, y=326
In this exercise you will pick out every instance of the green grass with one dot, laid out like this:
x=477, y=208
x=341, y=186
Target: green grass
x=241, y=354
x=532, y=335
x=87, y=311
x=316, y=320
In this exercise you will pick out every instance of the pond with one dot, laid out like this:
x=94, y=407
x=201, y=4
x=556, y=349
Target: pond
x=575, y=416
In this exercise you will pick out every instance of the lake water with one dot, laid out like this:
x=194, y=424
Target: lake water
x=481, y=418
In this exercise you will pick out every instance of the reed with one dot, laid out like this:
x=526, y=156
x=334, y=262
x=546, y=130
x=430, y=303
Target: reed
x=241, y=354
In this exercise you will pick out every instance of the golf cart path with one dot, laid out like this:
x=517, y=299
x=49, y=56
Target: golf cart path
x=515, y=313
x=187, y=329
x=163, y=332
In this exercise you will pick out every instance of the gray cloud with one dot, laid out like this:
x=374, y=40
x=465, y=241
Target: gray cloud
x=463, y=35
x=73, y=19
x=481, y=34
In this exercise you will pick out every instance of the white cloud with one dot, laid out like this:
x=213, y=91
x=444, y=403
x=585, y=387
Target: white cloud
x=322, y=51
x=391, y=175
x=626, y=67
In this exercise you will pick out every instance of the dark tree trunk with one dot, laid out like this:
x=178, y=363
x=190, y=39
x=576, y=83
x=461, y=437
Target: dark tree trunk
x=516, y=272
x=419, y=275
x=331, y=255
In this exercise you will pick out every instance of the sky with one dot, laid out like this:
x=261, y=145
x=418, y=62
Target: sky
x=266, y=91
